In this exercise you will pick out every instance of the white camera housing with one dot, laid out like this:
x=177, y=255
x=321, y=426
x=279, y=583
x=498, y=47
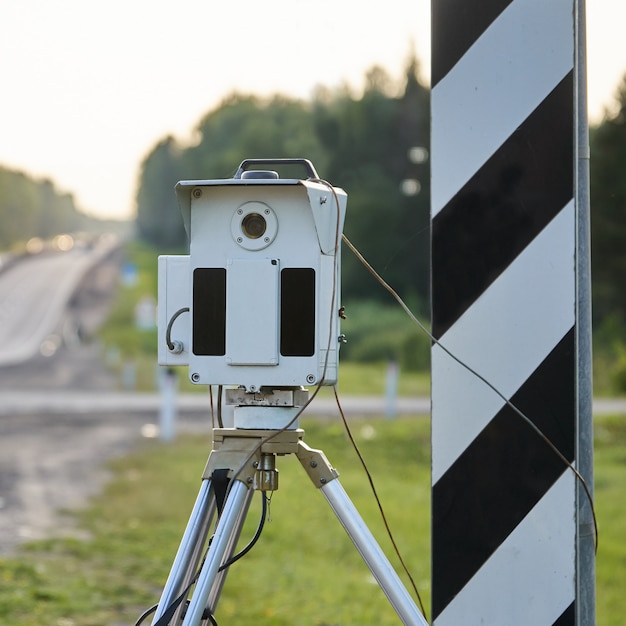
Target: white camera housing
x=261, y=281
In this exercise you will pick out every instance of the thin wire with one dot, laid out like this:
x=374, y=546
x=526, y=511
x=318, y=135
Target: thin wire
x=216, y=415
x=378, y=502
x=472, y=371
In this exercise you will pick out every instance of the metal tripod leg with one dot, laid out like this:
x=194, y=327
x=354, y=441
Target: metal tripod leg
x=226, y=526
x=217, y=587
x=372, y=554
x=325, y=478
x=231, y=448
x=190, y=549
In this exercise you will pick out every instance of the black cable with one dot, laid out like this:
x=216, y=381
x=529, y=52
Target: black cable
x=216, y=416
x=254, y=539
x=211, y=406
x=168, y=331
x=171, y=609
x=145, y=614
x=220, y=421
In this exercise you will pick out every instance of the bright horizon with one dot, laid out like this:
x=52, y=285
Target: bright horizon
x=90, y=89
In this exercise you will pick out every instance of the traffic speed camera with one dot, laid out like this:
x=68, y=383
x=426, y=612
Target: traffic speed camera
x=256, y=301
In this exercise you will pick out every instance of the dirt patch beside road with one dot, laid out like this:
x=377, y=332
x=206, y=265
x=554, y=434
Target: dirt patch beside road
x=51, y=462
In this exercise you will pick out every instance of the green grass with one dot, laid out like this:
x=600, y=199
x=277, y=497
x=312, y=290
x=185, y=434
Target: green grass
x=304, y=570
x=369, y=379
x=610, y=502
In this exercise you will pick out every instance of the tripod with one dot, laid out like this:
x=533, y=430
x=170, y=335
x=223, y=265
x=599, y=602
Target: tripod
x=243, y=459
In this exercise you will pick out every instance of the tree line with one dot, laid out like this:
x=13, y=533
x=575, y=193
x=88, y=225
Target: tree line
x=34, y=208
x=375, y=146
x=608, y=211
x=608, y=244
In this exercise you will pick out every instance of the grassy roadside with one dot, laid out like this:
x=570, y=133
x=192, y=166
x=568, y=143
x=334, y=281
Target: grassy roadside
x=610, y=492
x=304, y=569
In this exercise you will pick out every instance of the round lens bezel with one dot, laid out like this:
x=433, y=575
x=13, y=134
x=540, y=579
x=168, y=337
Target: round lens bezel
x=242, y=220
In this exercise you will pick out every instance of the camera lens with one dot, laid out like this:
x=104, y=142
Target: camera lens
x=253, y=225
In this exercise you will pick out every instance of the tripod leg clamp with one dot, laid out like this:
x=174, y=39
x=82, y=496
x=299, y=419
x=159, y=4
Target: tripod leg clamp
x=316, y=465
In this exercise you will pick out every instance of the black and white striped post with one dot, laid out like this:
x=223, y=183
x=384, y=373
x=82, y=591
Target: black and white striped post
x=512, y=534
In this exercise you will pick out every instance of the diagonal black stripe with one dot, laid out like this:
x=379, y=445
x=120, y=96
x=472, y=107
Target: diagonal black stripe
x=504, y=472
x=568, y=617
x=503, y=207
x=455, y=26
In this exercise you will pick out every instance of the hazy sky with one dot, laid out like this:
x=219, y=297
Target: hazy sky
x=89, y=88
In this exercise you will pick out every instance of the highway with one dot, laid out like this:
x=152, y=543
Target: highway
x=34, y=292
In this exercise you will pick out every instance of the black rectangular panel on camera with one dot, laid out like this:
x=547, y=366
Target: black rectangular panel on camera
x=297, y=311
x=209, y=311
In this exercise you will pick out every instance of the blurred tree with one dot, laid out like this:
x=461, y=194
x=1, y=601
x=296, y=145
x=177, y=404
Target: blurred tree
x=242, y=127
x=608, y=212
x=378, y=151
x=248, y=127
x=159, y=220
x=34, y=208
x=375, y=147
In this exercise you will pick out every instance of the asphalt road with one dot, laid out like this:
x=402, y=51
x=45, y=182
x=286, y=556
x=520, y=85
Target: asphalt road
x=51, y=305
x=35, y=295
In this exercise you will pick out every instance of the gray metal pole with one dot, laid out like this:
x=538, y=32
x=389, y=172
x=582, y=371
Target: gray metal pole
x=585, y=580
